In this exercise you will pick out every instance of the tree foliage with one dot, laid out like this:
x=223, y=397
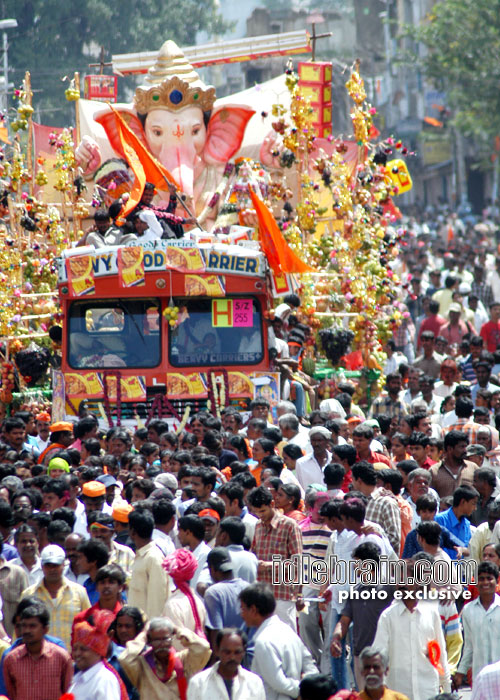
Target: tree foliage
x=461, y=40
x=55, y=38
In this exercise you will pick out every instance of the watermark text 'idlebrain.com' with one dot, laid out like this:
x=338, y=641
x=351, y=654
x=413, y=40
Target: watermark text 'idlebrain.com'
x=304, y=570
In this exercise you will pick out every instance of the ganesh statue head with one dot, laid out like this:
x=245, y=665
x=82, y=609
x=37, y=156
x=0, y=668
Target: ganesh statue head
x=174, y=116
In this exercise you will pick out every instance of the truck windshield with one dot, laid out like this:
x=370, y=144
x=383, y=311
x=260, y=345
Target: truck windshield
x=114, y=333
x=216, y=332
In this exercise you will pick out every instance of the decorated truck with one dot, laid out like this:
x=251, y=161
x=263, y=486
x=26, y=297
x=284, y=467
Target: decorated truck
x=151, y=329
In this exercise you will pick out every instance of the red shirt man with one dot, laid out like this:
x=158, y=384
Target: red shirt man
x=361, y=438
x=434, y=322
x=490, y=331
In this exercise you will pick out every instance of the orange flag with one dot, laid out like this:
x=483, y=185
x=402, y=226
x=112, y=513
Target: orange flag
x=155, y=171
x=136, y=165
x=280, y=256
x=451, y=235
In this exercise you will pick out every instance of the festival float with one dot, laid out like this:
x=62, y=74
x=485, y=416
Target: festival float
x=171, y=326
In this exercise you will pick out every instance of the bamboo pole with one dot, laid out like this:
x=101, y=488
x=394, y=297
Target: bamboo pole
x=29, y=153
x=15, y=231
x=31, y=316
x=24, y=337
x=333, y=313
x=41, y=294
x=77, y=110
x=65, y=216
x=77, y=222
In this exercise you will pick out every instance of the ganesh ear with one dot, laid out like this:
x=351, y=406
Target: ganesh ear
x=225, y=132
x=108, y=122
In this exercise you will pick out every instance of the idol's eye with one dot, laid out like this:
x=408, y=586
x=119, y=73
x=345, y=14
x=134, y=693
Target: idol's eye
x=157, y=132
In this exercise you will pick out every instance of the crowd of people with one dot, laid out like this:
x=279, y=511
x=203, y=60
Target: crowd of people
x=275, y=553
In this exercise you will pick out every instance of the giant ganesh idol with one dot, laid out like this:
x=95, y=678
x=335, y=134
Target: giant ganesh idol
x=174, y=116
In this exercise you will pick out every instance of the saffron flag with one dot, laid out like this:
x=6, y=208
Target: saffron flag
x=155, y=172
x=135, y=163
x=451, y=235
x=280, y=256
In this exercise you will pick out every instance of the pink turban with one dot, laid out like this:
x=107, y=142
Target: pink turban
x=181, y=565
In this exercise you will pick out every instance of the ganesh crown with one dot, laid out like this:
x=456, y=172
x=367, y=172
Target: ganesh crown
x=172, y=83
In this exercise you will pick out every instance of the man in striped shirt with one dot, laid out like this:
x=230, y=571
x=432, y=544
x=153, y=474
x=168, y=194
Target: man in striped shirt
x=315, y=538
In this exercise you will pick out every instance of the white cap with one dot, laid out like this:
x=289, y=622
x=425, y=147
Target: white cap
x=53, y=554
x=282, y=311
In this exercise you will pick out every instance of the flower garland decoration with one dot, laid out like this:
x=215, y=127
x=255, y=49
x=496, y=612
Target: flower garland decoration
x=65, y=160
x=217, y=397
x=298, y=136
x=357, y=256
x=356, y=243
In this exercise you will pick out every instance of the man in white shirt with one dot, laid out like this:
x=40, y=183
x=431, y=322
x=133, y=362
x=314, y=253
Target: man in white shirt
x=164, y=513
x=481, y=621
x=233, y=496
x=94, y=498
x=147, y=226
x=477, y=307
x=191, y=534
x=43, y=429
x=404, y=631
x=72, y=570
x=493, y=279
x=291, y=430
x=394, y=358
x=280, y=657
x=28, y=559
x=227, y=678
x=309, y=469
x=230, y=535
x=149, y=585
